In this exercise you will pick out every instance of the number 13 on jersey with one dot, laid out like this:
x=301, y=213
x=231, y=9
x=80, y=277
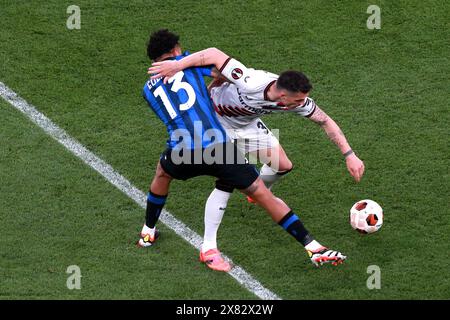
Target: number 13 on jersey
x=177, y=85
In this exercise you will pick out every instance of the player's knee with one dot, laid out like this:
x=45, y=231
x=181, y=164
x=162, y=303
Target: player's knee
x=257, y=189
x=286, y=166
x=161, y=174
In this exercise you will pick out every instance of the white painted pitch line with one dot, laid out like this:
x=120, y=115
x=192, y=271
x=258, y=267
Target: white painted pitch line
x=238, y=273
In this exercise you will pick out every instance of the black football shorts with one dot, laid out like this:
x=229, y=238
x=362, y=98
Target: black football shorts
x=229, y=166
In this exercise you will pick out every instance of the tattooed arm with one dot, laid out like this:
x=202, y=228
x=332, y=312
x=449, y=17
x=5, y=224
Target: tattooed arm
x=168, y=68
x=354, y=165
x=331, y=129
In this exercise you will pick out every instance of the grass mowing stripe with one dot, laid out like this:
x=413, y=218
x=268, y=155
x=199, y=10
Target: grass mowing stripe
x=238, y=273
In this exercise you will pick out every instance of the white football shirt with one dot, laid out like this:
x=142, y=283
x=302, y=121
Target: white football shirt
x=245, y=99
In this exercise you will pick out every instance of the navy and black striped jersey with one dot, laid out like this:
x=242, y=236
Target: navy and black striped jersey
x=183, y=104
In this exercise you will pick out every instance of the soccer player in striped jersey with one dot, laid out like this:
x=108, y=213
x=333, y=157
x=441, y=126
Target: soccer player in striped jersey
x=239, y=102
x=195, y=138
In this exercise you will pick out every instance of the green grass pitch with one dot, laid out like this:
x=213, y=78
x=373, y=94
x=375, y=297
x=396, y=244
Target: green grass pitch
x=388, y=89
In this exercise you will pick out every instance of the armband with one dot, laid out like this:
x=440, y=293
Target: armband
x=349, y=152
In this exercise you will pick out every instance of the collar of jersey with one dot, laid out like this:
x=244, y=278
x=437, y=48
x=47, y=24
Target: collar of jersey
x=184, y=54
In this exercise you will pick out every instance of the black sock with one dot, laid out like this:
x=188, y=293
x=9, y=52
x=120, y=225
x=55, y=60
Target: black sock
x=155, y=203
x=292, y=224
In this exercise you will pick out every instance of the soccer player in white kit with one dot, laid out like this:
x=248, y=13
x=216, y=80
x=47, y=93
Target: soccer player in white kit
x=239, y=108
x=239, y=105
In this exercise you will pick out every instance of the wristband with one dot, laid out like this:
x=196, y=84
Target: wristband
x=349, y=152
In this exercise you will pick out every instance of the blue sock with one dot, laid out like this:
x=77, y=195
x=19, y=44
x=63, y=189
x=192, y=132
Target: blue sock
x=292, y=224
x=155, y=203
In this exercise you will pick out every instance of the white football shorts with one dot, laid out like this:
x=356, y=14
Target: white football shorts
x=253, y=137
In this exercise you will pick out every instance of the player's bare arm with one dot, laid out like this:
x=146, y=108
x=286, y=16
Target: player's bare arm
x=218, y=79
x=226, y=66
x=207, y=57
x=354, y=165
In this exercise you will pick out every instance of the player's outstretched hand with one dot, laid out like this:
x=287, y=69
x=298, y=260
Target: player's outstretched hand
x=355, y=166
x=164, y=69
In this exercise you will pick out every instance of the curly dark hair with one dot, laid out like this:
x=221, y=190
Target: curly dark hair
x=161, y=42
x=294, y=81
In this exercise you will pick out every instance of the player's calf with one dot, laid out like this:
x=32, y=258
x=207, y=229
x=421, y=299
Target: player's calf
x=290, y=222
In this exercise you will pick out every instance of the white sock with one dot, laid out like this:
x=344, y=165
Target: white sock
x=147, y=230
x=214, y=210
x=313, y=246
x=269, y=176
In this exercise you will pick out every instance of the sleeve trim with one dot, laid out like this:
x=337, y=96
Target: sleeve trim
x=224, y=64
x=312, y=112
